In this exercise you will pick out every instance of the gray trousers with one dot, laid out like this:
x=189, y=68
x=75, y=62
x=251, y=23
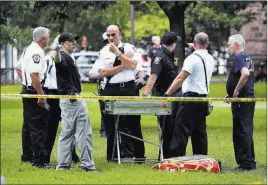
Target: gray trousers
x=76, y=130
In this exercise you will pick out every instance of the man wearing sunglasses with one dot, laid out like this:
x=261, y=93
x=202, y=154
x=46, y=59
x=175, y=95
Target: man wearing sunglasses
x=117, y=63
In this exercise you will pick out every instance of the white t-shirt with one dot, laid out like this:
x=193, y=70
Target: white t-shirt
x=51, y=80
x=196, y=82
x=107, y=59
x=33, y=62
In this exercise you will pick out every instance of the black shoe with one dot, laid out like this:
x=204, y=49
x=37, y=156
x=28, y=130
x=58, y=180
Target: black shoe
x=240, y=168
x=90, y=170
x=44, y=165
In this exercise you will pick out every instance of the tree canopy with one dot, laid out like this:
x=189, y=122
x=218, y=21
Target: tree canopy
x=90, y=18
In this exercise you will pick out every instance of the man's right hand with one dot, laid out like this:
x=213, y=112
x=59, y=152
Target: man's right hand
x=41, y=102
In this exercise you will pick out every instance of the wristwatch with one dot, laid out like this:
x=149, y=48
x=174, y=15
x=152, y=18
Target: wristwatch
x=143, y=95
x=118, y=53
x=165, y=95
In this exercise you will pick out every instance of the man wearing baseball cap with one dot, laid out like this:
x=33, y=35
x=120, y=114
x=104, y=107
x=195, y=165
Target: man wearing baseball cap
x=76, y=127
x=163, y=72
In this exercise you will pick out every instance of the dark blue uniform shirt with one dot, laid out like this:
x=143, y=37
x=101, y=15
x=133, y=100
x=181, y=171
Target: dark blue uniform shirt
x=241, y=60
x=163, y=65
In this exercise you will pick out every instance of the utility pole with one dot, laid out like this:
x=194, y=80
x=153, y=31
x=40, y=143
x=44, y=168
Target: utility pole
x=132, y=17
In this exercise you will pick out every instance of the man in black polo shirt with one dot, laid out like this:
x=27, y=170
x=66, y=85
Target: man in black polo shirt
x=240, y=84
x=76, y=127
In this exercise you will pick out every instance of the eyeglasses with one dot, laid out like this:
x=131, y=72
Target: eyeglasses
x=113, y=34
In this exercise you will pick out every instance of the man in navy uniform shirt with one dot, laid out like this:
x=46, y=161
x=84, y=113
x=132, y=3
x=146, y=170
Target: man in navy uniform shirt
x=240, y=84
x=163, y=72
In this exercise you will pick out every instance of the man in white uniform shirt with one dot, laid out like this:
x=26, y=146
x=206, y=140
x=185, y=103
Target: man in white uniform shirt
x=191, y=116
x=34, y=130
x=119, y=69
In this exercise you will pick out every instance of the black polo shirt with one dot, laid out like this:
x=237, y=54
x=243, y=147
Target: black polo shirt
x=68, y=78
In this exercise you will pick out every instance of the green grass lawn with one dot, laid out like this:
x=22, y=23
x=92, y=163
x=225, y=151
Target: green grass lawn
x=219, y=128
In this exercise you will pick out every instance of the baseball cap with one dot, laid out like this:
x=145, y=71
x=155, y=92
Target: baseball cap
x=170, y=37
x=67, y=36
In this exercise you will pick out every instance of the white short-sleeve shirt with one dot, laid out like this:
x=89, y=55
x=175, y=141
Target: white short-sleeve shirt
x=95, y=70
x=196, y=81
x=107, y=59
x=51, y=79
x=33, y=62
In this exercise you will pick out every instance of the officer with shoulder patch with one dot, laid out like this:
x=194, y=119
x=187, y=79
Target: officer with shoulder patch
x=118, y=68
x=34, y=130
x=163, y=72
x=240, y=84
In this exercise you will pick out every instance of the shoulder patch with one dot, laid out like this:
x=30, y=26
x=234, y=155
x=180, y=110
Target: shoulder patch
x=36, y=58
x=156, y=60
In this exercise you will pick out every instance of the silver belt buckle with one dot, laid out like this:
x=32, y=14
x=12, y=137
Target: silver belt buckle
x=122, y=84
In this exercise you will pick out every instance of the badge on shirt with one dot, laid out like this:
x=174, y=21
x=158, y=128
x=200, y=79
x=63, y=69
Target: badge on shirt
x=36, y=58
x=156, y=60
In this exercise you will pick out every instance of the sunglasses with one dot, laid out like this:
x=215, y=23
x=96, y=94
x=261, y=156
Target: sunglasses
x=113, y=34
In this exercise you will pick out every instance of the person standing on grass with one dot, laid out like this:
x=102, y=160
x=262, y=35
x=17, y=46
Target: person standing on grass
x=163, y=72
x=35, y=111
x=190, y=120
x=118, y=68
x=240, y=84
x=54, y=114
x=76, y=127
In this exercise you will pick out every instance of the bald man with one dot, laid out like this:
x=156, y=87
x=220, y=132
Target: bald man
x=190, y=119
x=118, y=62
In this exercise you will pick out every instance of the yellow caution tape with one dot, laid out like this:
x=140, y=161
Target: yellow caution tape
x=137, y=98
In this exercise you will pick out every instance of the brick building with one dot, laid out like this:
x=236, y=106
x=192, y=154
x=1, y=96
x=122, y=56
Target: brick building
x=255, y=34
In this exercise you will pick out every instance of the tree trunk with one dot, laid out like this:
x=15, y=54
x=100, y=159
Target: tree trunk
x=176, y=20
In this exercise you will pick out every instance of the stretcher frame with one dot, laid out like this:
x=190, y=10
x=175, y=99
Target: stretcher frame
x=119, y=108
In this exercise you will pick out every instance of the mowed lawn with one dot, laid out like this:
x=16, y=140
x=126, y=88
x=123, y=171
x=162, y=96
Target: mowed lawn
x=219, y=128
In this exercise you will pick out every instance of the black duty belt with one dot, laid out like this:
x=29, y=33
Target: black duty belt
x=193, y=94
x=122, y=84
x=29, y=87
